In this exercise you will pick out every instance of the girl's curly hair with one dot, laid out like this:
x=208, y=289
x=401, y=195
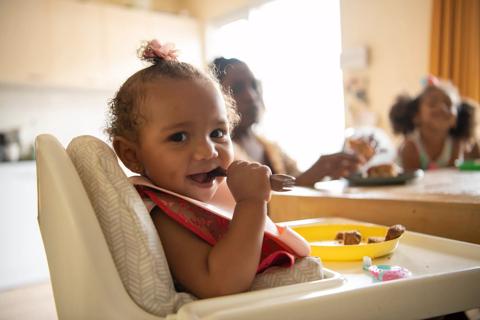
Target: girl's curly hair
x=405, y=108
x=124, y=117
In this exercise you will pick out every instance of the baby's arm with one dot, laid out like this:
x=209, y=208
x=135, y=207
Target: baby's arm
x=230, y=266
x=409, y=155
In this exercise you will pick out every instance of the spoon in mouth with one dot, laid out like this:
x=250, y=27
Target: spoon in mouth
x=278, y=182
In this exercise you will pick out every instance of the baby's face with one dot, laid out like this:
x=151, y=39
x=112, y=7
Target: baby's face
x=185, y=136
x=437, y=110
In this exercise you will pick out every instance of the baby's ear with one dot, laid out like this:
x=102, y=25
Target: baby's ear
x=126, y=150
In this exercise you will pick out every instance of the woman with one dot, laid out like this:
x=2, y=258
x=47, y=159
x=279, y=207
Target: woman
x=236, y=77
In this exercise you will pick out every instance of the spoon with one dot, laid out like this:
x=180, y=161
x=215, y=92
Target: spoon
x=278, y=182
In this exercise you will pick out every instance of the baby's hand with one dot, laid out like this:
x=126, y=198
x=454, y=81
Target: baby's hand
x=249, y=181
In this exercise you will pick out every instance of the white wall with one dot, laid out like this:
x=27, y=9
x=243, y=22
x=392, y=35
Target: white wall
x=397, y=34
x=65, y=113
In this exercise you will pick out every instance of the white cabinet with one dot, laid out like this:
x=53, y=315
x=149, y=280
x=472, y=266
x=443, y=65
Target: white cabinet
x=25, y=55
x=184, y=32
x=76, y=32
x=124, y=31
x=22, y=254
x=81, y=44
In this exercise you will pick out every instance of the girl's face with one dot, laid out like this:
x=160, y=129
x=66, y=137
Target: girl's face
x=244, y=87
x=184, y=137
x=436, y=111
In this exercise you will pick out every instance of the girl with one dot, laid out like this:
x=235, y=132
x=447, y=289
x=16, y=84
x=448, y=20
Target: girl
x=171, y=124
x=438, y=129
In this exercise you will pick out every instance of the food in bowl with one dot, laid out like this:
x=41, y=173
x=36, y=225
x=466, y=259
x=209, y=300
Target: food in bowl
x=394, y=232
x=353, y=237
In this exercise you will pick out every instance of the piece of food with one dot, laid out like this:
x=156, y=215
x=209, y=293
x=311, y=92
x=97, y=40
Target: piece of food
x=340, y=236
x=364, y=147
x=394, y=232
x=349, y=237
x=375, y=239
x=386, y=170
x=352, y=237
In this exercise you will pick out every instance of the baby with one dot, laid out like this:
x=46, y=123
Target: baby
x=171, y=124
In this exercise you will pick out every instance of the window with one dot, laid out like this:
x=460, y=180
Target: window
x=293, y=47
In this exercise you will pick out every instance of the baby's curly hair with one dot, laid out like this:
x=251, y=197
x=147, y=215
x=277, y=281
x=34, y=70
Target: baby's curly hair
x=124, y=117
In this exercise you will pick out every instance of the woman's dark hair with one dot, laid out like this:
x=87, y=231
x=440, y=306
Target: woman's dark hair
x=405, y=108
x=219, y=66
x=124, y=116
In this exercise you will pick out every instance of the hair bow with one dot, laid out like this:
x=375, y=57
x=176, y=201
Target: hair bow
x=154, y=48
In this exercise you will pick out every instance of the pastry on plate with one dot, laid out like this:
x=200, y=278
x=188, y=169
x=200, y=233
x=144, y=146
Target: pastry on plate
x=364, y=147
x=386, y=170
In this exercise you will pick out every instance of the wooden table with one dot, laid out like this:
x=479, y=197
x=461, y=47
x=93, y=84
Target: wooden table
x=443, y=202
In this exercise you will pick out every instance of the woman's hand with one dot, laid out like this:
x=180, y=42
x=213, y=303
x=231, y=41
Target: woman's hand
x=339, y=164
x=249, y=181
x=334, y=165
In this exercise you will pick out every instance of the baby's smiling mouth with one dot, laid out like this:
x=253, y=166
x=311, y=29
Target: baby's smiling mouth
x=206, y=177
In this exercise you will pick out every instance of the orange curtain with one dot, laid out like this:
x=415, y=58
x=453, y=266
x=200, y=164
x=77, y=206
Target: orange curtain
x=455, y=44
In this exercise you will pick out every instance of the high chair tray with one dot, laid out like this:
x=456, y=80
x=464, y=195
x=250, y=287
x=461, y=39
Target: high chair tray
x=445, y=279
x=321, y=238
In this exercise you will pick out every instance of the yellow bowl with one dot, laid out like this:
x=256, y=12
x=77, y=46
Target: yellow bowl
x=322, y=240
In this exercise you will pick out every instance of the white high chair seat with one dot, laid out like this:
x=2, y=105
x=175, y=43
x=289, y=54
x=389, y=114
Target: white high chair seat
x=85, y=281
x=105, y=257
x=127, y=226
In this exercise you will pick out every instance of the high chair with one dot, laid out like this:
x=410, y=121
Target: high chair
x=83, y=274
x=114, y=267
x=86, y=280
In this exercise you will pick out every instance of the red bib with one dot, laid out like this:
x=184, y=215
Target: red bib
x=211, y=225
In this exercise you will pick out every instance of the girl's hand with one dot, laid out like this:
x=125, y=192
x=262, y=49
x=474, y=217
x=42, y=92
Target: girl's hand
x=249, y=181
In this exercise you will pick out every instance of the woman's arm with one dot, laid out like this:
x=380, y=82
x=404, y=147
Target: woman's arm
x=333, y=165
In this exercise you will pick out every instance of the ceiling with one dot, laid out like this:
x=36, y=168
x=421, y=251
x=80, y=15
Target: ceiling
x=201, y=9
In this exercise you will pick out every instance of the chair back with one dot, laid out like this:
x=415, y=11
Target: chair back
x=85, y=282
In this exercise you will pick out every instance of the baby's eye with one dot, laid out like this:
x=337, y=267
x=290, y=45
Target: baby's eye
x=218, y=133
x=178, y=137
